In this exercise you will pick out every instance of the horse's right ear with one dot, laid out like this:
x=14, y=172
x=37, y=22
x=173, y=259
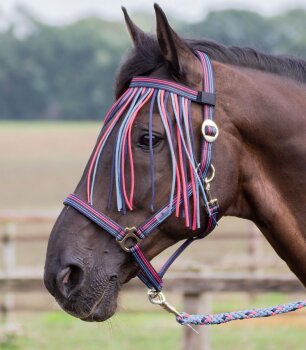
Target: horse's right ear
x=137, y=35
x=179, y=56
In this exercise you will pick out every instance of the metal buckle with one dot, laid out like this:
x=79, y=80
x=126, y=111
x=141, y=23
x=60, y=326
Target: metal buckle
x=211, y=123
x=130, y=239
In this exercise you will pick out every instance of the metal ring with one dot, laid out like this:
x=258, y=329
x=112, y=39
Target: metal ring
x=208, y=180
x=156, y=298
x=130, y=235
x=210, y=123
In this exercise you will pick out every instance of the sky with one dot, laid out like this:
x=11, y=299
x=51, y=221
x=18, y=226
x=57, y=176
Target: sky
x=65, y=11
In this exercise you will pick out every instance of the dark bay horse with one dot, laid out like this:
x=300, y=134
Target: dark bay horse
x=259, y=157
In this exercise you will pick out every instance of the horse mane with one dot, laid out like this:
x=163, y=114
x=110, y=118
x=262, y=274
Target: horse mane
x=147, y=57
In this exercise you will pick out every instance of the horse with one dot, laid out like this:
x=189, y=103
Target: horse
x=258, y=166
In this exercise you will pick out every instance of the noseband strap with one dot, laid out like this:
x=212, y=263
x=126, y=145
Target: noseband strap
x=130, y=238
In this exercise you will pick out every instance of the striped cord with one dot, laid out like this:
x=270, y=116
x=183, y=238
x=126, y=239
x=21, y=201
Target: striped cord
x=215, y=319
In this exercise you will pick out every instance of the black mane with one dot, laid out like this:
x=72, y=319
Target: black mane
x=147, y=57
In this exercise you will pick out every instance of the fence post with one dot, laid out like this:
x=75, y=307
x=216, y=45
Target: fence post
x=9, y=260
x=196, y=303
x=255, y=249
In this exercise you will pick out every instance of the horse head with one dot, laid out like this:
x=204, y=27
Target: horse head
x=148, y=155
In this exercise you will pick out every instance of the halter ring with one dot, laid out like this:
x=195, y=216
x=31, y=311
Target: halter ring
x=130, y=239
x=209, y=179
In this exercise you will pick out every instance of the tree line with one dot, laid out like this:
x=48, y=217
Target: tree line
x=67, y=72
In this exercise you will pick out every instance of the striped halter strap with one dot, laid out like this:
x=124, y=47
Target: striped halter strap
x=190, y=182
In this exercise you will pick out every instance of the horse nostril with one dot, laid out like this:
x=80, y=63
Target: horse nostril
x=113, y=278
x=69, y=280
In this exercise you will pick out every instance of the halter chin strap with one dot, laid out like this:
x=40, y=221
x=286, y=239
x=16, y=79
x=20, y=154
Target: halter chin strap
x=130, y=238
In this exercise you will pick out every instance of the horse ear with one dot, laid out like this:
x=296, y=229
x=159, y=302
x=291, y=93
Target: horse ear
x=137, y=35
x=174, y=49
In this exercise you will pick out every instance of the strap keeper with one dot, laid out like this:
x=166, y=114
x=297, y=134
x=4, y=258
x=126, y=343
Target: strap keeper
x=206, y=98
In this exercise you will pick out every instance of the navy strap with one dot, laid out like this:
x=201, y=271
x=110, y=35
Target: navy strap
x=148, y=274
x=203, y=97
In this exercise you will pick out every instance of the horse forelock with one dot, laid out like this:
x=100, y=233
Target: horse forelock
x=140, y=60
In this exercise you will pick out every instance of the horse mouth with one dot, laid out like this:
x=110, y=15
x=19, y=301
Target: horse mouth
x=101, y=311
x=98, y=315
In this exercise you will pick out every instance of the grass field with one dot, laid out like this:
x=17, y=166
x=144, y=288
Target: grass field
x=157, y=330
x=39, y=164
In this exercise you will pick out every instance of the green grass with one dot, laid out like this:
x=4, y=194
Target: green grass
x=157, y=330
x=150, y=331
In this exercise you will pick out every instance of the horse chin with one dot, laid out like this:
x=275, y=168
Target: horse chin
x=102, y=308
x=101, y=313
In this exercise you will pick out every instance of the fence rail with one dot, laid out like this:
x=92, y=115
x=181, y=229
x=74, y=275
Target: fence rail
x=196, y=287
x=184, y=283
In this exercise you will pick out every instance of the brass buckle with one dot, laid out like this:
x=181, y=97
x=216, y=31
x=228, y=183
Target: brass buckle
x=130, y=239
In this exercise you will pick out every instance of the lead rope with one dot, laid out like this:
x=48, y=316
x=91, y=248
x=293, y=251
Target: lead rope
x=215, y=319
x=224, y=317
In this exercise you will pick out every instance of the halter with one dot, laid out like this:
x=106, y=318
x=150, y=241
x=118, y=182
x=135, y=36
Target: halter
x=190, y=180
x=184, y=165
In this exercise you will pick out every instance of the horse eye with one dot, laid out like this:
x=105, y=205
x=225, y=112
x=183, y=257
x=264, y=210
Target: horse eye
x=144, y=141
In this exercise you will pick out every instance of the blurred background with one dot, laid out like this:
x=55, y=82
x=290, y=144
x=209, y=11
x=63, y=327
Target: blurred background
x=57, y=66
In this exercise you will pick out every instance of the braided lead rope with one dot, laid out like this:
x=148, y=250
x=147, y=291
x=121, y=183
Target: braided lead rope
x=213, y=319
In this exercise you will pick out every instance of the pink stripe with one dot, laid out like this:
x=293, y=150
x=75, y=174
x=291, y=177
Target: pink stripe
x=168, y=83
x=177, y=173
x=204, y=156
x=114, y=121
x=130, y=142
x=96, y=213
x=194, y=219
x=129, y=201
x=180, y=154
x=114, y=106
x=147, y=263
x=153, y=219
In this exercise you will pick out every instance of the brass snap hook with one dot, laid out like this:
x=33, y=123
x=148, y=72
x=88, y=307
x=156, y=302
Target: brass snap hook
x=158, y=298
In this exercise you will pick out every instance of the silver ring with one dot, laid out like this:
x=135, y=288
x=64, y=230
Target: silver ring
x=211, y=123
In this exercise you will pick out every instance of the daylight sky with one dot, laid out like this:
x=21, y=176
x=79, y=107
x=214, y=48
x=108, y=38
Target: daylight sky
x=63, y=11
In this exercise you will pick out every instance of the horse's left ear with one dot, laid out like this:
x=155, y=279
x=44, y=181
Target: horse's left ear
x=182, y=61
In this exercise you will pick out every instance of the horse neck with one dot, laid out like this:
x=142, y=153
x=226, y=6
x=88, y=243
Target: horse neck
x=266, y=114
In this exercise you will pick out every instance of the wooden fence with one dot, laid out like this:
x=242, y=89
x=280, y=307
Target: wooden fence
x=196, y=287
